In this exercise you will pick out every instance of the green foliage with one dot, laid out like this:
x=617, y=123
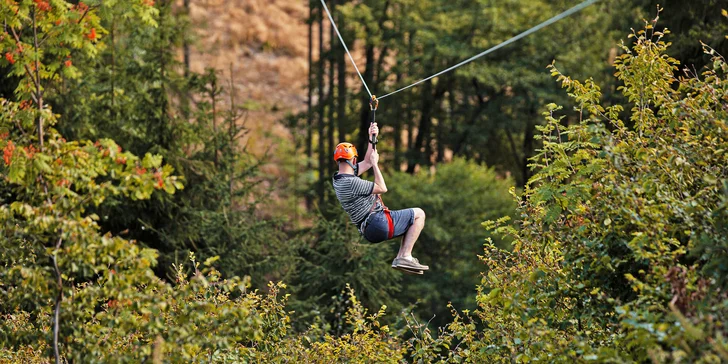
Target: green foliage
x=331, y=256
x=619, y=251
x=484, y=111
x=366, y=340
x=131, y=91
x=453, y=197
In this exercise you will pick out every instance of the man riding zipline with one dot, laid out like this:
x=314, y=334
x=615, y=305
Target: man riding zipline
x=362, y=201
x=360, y=198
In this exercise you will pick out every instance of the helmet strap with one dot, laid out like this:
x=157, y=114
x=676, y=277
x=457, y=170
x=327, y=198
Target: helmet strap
x=354, y=167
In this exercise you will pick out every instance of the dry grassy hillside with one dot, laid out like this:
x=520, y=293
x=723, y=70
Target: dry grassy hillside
x=266, y=43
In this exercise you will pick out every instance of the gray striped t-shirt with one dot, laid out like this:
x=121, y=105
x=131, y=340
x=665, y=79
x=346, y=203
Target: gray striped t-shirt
x=355, y=196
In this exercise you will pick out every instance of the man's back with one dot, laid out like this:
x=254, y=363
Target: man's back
x=355, y=196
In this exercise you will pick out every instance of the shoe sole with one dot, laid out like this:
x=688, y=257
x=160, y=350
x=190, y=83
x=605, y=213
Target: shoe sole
x=421, y=267
x=409, y=271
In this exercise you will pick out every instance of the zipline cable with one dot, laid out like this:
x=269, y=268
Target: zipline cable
x=345, y=47
x=556, y=18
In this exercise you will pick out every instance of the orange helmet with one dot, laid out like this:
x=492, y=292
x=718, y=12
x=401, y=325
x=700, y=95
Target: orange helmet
x=345, y=151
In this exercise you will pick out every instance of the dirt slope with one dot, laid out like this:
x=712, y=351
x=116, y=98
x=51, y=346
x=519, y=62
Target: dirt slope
x=265, y=41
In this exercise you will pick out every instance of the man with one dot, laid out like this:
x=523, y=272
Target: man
x=362, y=201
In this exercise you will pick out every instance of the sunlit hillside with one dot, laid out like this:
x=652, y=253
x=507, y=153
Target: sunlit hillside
x=264, y=43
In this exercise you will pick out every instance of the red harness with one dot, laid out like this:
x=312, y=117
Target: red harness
x=390, y=222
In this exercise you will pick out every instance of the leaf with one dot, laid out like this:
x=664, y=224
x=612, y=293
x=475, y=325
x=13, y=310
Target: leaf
x=710, y=179
x=493, y=294
x=41, y=165
x=209, y=261
x=552, y=214
x=169, y=188
x=151, y=160
x=16, y=172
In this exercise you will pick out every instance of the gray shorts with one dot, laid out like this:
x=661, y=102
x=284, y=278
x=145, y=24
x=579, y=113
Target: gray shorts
x=377, y=228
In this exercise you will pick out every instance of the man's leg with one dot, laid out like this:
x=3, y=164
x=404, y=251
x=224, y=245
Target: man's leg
x=410, y=237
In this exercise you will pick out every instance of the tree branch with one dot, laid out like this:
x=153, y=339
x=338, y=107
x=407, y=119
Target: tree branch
x=59, y=298
x=512, y=144
x=27, y=70
x=38, y=90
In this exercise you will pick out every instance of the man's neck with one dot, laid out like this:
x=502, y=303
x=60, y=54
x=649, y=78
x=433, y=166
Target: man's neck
x=345, y=168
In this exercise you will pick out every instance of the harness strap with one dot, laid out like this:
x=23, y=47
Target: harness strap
x=387, y=213
x=390, y=223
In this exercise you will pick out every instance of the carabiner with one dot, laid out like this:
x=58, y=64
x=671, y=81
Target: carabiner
x=373, y=103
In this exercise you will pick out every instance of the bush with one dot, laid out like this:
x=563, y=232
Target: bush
x=331, y=256
x=455, y=198
x=619, y=252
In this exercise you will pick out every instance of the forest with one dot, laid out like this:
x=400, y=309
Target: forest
x=165, y=198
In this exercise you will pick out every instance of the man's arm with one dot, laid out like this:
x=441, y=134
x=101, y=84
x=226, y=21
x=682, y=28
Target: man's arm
x=379, y=186
x=365, y=164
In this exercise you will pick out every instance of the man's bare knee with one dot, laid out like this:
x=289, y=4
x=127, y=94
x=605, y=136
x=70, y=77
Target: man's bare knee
x=419, y=213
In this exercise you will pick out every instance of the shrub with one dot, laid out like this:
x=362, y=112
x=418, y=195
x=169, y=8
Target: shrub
x=619, y=250
x=455, y=198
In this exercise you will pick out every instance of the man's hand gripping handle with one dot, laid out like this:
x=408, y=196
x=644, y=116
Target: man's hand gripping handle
x=373, y=105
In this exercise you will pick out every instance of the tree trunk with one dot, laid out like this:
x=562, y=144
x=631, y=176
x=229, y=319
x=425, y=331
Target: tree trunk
x=186, y=44
x=427, y=155
x=397, y=124
x=162, y=74
x=364, y=116
x=331, y=98
x=41, y=135
x=527, y=149
x=309, y=116
x=232, y=132
x=113, y=68
x=423, y=131
x=397, y=112
x=341, y=95
x=321, y=106
x=448, y=113
x=409, y=150
x=213, y=98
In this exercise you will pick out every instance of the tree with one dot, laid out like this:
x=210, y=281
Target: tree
x=619, y=249
x=48, y=183
x=68, y=289
x=196, y=123
x=332, y=256
x=457, y=194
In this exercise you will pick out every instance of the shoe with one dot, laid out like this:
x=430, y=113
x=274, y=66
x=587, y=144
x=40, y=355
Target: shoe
x=409, y=271
x=408, y=263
